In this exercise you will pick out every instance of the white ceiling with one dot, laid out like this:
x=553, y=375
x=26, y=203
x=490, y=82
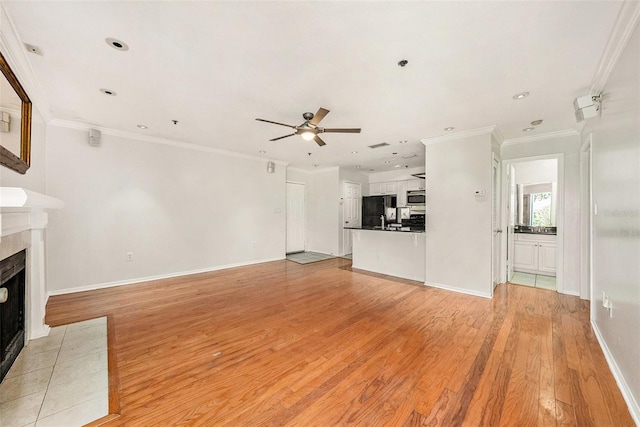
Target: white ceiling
x=216, y=66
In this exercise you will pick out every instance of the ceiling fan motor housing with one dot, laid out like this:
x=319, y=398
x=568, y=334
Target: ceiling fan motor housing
x=307, y=115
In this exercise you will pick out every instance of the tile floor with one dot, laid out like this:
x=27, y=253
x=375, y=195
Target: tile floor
x=60, y=380
x=307, y=257
x=535, y=280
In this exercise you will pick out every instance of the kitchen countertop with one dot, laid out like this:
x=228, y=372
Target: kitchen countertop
x=392, y=229
x=543, y=233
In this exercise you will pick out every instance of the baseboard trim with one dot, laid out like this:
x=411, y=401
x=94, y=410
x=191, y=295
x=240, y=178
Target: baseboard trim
x=632, y=404
x=156, y=277
x=459, y=290
x=573, y=293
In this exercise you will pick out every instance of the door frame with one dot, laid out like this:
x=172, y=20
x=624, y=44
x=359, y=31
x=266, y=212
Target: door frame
x=586, y=220
x=304, y=217
x=559, y=214
x=496, y=250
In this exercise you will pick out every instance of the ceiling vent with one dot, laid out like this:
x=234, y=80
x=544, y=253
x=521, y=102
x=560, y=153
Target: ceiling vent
x=382, y=144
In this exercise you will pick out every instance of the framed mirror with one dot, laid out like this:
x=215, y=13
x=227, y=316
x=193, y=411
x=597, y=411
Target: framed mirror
x=15, y=121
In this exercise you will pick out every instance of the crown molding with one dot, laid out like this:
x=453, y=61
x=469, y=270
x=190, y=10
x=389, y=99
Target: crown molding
x=157, y=140
x=487, y=130
x=542, y=137
x=623, y=28
x=13, y=50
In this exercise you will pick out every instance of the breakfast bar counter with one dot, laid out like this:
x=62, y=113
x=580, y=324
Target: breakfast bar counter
x=399, y=253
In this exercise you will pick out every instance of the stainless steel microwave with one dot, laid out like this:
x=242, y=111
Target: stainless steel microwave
x=416, y=198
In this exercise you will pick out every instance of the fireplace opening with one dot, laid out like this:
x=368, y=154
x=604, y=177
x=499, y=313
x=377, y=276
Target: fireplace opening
x=12, y=309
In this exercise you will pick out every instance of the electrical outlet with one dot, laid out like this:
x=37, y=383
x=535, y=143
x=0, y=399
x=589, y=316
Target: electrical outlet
x=129, y=256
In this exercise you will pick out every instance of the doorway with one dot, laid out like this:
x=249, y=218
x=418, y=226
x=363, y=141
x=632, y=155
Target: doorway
x=295, y=217
x=533, y=221
x=351, y=213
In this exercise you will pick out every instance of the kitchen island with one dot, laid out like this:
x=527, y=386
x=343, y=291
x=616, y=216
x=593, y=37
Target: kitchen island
x=396, y=252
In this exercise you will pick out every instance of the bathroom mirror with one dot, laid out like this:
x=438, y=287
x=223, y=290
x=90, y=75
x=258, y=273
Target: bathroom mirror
x=537, y=204
x=15, y=121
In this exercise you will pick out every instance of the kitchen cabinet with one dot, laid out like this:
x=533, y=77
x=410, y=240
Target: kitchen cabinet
x=383, y=188
x=535, y=253
x=415, y=184
x=402, y=194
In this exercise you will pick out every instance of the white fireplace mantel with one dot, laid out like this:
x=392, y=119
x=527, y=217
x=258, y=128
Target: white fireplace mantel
x=23, y=218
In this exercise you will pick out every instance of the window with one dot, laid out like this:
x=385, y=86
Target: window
x=540, y=206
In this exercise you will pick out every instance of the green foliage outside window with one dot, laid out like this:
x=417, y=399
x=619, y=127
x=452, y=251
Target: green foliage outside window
x=541, y=209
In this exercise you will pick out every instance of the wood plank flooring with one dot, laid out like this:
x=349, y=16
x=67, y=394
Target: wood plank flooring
x=321, y=345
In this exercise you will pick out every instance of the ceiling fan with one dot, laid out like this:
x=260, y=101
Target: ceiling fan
x=309, y=129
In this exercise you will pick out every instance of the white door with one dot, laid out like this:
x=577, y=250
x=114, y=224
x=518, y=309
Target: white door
x=295, y=217
x=495, y=218
x=512, y=212
x=351, y=212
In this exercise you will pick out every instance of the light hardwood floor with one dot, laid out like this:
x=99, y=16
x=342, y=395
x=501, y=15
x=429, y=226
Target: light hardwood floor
x=321, y=345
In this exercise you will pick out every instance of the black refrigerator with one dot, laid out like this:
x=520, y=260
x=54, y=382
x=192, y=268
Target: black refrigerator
x=375, y=206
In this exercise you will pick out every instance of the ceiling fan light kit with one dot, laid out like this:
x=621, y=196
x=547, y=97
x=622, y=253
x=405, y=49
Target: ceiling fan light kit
x=309, y=130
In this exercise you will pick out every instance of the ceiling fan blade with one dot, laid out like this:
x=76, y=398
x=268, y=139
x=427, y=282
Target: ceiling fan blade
x=319, y=116
x=280, y=137
x=352, y=130
x=319, y=141
x=276, y=123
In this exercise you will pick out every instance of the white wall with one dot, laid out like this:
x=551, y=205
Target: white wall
x=458, y=225
x=616, y=227
x=536, y=171
x=34, y=179
x=178, y=210
x=569, y=146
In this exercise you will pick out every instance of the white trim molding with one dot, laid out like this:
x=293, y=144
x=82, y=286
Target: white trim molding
x=543, y=136
x=156, y=277
x=632, y=404
x=622, y=30
x=458, y=290
x=464, y=134
x=156, y=140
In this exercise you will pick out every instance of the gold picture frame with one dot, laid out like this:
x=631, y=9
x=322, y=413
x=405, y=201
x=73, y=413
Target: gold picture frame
x=19, y=162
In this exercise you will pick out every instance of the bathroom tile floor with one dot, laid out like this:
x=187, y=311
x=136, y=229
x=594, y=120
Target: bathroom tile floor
x=535, y=280
x=60, y=380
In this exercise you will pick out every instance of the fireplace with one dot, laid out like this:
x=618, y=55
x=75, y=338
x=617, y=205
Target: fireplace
x=23, y=220
x=12, y=309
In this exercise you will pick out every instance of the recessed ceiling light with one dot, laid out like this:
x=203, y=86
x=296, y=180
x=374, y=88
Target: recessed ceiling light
x=520, y=95
x=386, y=162
x=397, y=166
x=108, y=92
x=536, y=122
x=371, y=170
x=263, y=152
x=403, y=142
x=354, y=152
x=450, y=128
x=394, y=154
x=527, y=129
x=315, y=165
x=403, y=62
x=358, y=166
x=142, y=127
x=117, y=44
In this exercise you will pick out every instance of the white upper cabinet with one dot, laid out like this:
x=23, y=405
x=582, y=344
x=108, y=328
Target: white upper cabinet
x=415, y=184
x=383, y=188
